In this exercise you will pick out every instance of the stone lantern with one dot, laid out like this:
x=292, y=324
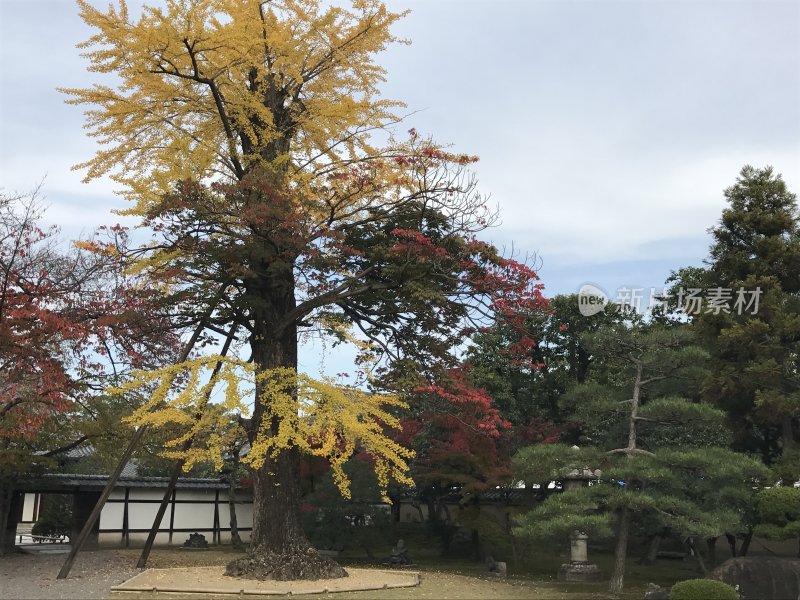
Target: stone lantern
x=579, y=568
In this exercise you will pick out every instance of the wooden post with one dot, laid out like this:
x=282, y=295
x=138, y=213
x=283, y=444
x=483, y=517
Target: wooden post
x=172, y=516
x=98, y=508
x=216, y=536
x=162, y=508
x=126, y=534
x=134, y=443
x=176, y=471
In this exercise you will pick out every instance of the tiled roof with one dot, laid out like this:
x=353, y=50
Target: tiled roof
x=509, y=495
x=61, y=481
x=81, y=451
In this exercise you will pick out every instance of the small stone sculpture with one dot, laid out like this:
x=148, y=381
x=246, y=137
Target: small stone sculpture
x=196, y=541
x=578, y=568
x=399, y=555
x=496, y=568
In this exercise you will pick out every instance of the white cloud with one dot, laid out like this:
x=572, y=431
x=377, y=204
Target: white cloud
x=580, y=213
x=607, y=130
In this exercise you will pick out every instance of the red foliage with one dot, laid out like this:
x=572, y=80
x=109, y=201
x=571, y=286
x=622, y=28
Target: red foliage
x=471, y=406
x=59, y=314
x=458, y=436
x=417, y=245
x=538, y=431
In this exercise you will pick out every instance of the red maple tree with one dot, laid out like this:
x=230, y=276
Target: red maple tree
x=70, y=322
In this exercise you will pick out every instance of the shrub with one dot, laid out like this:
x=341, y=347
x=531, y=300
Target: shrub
x=55, y=518
x=702, y=589
x=333, y=523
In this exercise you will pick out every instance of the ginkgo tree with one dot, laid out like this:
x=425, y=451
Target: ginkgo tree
x=250, y=136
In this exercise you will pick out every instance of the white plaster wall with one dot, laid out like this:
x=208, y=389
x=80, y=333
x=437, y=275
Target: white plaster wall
x=193, y=516
x=29, y=503
x=197, y=516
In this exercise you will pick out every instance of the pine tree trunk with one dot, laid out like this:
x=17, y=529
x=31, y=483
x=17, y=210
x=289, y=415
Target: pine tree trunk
x=746, y=543
x=731, y=544
x=512, y=538
x=652, y=550
x=787, y=434
x=475, y=542
x=712, y=551
x=279, y=549
x=701, y=565
x=617, y=582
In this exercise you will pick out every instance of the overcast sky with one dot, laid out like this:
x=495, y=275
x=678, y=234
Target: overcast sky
x=607, y=130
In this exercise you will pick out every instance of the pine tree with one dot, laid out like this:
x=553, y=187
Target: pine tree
x=660, y=456
x=755, y=344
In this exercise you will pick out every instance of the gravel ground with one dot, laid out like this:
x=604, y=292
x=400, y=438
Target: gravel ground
x=33, y=576
x=212, y=580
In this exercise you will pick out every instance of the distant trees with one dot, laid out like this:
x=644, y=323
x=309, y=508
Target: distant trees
x=779, y=514
x=527, y=374
x=663, y=458
x=754, y=341
x=664, y=398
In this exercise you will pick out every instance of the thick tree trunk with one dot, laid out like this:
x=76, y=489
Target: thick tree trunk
x=278, y=546
x=475, y=542
x=512, y=538
x=6, y=543
x=437, y=525
x=617, y=582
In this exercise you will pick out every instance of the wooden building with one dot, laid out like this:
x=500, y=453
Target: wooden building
x=197, y=505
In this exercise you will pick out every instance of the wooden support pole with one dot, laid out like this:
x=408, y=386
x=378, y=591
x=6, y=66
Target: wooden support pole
x=126, y=534
x=176, y=471
x=135, y=441
x=172, y=517
x=216, y=535
x=162, y=508
x=98, y=508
